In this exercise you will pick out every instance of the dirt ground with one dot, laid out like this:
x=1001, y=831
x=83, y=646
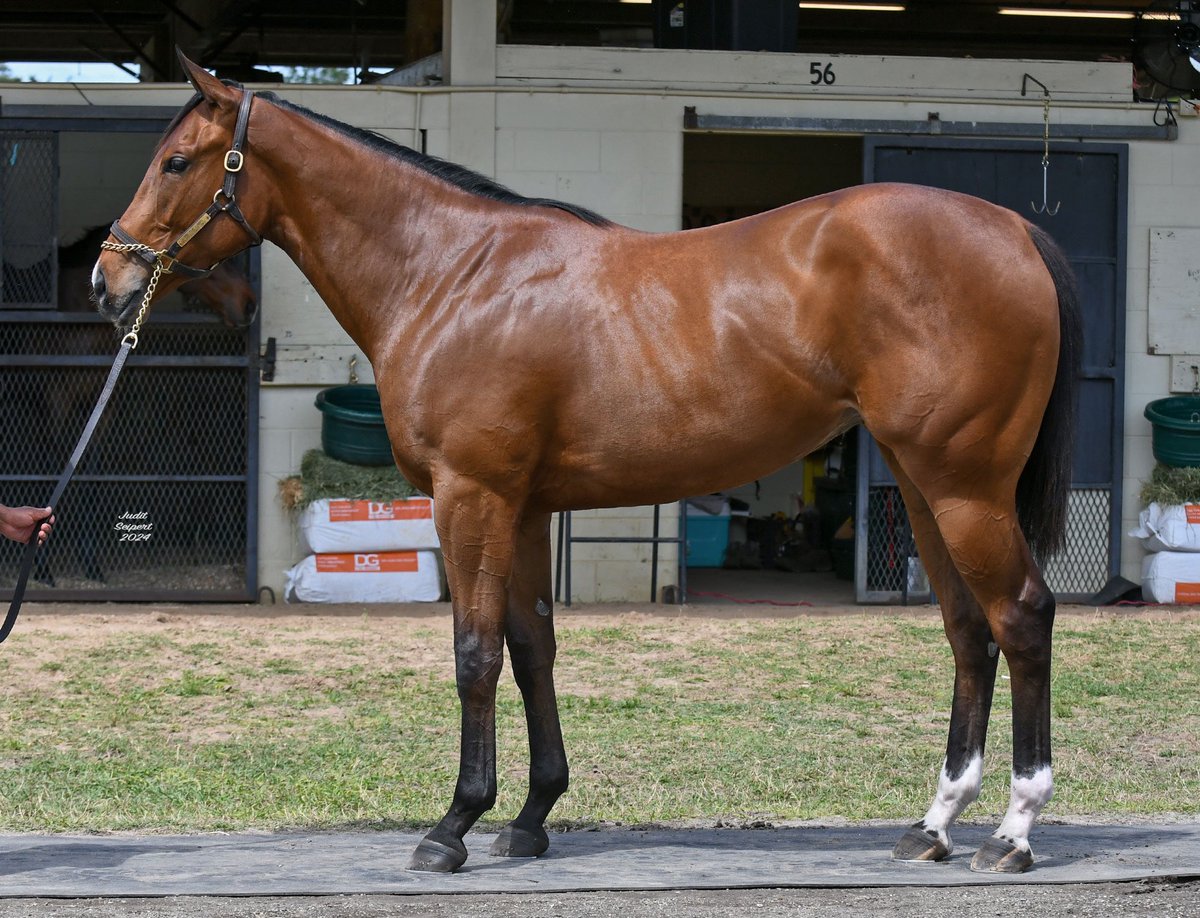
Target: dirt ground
x=1164, y=899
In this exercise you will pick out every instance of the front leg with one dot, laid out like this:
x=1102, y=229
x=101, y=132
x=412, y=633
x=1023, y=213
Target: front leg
x=530, y=633
x=476, y=528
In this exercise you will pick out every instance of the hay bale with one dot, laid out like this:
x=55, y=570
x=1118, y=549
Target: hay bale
x=323, y=478
x=1171, y=486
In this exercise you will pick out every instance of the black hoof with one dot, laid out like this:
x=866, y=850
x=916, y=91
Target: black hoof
x=435, y=857
x=515, y=842
x=918, y=844
x=999, y=856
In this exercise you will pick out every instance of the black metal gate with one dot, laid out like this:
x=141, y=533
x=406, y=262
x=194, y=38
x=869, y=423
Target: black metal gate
x=164, y=504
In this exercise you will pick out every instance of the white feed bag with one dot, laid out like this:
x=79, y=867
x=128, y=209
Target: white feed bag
x=1171, y=576
x=370, y=576
x=330, y=526
x=1169, y=527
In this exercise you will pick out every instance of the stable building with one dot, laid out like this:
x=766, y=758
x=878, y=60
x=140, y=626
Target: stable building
x=658, y=138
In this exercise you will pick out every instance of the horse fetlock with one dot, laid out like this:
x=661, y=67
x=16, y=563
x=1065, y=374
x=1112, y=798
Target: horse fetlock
x=471, y=801
x=549, y=782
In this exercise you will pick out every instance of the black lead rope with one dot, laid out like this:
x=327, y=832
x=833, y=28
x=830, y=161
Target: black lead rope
x=14, y=609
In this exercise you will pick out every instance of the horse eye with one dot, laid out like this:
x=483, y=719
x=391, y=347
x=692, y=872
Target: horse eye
x=175, y=164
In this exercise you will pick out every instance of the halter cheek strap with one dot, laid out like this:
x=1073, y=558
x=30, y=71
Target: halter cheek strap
x=224, y=201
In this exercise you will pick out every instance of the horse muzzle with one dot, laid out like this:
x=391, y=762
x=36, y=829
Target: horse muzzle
x=118, y=308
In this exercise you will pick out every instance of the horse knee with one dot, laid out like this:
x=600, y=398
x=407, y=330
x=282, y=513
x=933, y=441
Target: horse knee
x=474, y=797
x=477, y=664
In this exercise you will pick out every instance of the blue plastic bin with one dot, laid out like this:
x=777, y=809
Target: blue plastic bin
x=707, y=539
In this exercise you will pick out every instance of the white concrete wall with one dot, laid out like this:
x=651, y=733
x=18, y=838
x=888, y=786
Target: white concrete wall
x=603, y=128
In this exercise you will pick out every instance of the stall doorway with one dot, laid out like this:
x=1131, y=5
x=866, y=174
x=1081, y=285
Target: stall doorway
x=787, y=538
x=163, y=504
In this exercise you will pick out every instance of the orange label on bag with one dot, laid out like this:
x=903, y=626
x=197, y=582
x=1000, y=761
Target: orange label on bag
x=361, y=511
x=1187, y=592
x=1193, y=512
x=368, y=562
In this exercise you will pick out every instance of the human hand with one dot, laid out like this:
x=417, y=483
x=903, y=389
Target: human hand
x=19, y=523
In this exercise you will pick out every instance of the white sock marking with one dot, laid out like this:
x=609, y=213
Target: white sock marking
x=1028, y=797
x=953, y=796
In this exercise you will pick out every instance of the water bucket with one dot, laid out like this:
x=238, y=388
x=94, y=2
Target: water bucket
x=1175, y=430
x=352, y=425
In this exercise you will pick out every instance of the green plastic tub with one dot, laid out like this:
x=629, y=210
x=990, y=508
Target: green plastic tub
x=1175, y=430
x=352, y=425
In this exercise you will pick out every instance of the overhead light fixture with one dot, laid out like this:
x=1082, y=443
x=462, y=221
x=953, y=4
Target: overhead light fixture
x=1065, y=13
x=855, y=7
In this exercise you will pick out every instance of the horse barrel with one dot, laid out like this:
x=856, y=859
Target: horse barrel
x=1175, y=434
x=352, y=425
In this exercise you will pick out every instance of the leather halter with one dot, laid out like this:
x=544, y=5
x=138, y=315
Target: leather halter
x=224, y=201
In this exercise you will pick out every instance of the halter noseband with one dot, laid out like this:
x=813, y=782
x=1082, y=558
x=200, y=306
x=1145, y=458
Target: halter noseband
x=224, y=201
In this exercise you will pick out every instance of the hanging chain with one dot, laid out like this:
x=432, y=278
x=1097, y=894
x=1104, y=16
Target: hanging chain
x=1046, y=131
x=1045, y=207
x=132, y=335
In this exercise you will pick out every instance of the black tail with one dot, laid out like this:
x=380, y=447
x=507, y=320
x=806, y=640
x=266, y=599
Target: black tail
x=1045, y=483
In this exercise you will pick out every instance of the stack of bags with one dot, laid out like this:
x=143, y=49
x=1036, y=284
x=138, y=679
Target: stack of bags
x=367, y=547
x=1171, y=533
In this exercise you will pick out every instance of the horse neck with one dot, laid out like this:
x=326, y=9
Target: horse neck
x=365, y=228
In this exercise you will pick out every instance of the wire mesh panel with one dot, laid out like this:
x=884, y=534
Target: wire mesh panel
x=28, y=228
x=888, y=566
x=1083, y=567
x=893, y=569
x=161, y=505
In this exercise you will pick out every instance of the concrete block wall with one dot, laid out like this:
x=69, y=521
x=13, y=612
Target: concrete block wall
x=1164, y=185
x=289, y=426
x=616, y=572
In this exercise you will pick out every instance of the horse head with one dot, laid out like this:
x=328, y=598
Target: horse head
x=187, y=215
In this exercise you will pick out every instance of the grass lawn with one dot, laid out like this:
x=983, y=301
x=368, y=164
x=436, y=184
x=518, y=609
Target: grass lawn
x=183, y=720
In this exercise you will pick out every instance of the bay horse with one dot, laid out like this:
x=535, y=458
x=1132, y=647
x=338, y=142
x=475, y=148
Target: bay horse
x=531, y=357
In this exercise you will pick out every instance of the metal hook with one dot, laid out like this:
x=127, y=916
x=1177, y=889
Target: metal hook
x=353, y=369
x=1045, y=207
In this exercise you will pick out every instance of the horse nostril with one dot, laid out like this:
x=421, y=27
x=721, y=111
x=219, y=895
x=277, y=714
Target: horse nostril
x=98, y=286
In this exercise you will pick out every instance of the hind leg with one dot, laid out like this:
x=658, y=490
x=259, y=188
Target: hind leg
x=975, y=661
x=987, y=547
x=529, y=630
x=1023, y=630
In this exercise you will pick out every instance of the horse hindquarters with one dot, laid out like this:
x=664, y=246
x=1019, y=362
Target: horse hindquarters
x=985, y=470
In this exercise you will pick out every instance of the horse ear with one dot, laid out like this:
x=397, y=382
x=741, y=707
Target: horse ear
x=213, y=90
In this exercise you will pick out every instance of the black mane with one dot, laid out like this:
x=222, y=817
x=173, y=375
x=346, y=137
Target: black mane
x=459, y=176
